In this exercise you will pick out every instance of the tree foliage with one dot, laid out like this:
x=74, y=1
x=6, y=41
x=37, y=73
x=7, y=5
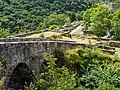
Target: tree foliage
x=97, y=20
x=56, y=20
x=116, y=24
x=26, y=15
x=101, y=71
x=4, y=33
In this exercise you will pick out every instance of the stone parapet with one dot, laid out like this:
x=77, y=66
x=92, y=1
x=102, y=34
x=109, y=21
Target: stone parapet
x=114, y=43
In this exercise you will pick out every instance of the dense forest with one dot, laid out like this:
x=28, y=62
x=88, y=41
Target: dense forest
x=28, y=15
x=17, y=16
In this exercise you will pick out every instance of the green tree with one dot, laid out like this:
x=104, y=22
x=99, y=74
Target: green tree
x=97, y=20
x=25, y=14
x=116, y=25
x=71, y=15
x=55, y=20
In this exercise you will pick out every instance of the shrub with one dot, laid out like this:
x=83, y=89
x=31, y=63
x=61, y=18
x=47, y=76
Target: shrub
x=56, y=78
x=107, y=87
x=55, y=37
x=95, y=71
x=53, y=26
x=30, y=87
x=42, y=35
x=3, y=33
x=107, y=73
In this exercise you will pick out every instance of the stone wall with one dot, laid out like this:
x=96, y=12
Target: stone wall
x=22, y=39
x=62, y=29
x=30, y=33
x=30, y=53
x=114, y=43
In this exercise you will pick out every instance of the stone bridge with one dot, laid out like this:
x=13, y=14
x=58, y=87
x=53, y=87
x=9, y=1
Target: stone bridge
x=23, y=59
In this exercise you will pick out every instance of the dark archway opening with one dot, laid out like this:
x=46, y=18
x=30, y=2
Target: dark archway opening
x=21, y=76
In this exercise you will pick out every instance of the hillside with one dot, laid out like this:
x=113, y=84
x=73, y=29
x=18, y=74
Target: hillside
x=27, y=15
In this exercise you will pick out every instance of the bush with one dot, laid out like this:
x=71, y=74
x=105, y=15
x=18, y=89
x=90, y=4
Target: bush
x=106, y=87
x=53, y=26
x=30, y=87
x=107, y=73
x=116, y=25
x=85, y=69
x=4, y=33
x=56, y=78
x=55, y=37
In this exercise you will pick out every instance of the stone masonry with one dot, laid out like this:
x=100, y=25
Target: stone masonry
x=29, y=53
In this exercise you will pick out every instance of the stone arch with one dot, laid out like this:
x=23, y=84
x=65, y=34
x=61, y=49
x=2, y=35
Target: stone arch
x=19, y=77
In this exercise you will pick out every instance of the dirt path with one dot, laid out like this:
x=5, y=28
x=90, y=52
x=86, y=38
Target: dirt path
x=77, y=31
